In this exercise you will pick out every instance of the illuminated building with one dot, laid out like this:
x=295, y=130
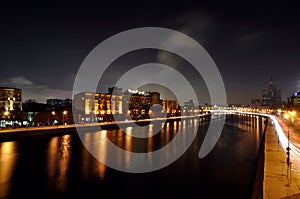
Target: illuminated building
x=140, y=102
x=109, y=105
x=90, y=107
x=10, y=98
x=115, y=97
x=10, y=105
x=84, y=107
x=119, y=105
x=294, y=101
x=171, y=107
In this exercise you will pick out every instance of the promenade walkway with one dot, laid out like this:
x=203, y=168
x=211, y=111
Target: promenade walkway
x=46, y=130
x=279, y=182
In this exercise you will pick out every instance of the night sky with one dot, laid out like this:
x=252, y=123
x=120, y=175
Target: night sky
x=44, y=44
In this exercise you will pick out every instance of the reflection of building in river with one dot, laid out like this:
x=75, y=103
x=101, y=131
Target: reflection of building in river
x=58, y=161
x=8, y=160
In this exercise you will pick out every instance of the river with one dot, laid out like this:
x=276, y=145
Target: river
x=61, y=166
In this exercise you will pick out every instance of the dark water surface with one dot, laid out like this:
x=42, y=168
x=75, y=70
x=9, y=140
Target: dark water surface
x=61, y=167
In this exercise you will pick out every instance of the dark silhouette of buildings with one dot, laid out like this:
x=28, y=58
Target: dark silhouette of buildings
x=270, y=97
x=57, y=111
x=293, y=102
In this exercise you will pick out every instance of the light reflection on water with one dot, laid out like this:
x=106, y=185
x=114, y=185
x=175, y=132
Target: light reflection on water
x=69, y=166
x=100, y=170
x=59, y=155
x=7, y=165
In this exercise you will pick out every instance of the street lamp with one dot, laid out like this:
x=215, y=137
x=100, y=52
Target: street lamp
x=6, y=113
x=293, y=113
x=286, y=116
x=64, y=113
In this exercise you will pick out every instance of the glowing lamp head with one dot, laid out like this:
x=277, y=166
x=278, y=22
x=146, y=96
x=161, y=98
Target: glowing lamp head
x=286, y=116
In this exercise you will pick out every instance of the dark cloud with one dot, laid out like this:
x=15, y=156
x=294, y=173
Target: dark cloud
x=31, y=90
x=249, y=38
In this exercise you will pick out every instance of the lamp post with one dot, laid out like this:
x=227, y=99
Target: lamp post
x=286, y=116
x=288, y=158
x=55, y=121
x=64, y=113
x=293, y=114
x=6, y=113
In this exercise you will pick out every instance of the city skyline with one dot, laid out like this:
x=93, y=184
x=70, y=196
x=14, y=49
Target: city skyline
x=166, y=94
x=44, y=45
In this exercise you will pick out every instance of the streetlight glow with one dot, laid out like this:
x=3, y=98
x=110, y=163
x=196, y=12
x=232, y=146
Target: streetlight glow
x=6, y=113
x=286, y=116
x=63, y=119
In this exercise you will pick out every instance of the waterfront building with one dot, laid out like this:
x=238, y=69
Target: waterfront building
x=10, y=106
x=140, y=102
x=59, y=103
x=171, y=107
x=84, y=107
x=10, y=98
x=117, y=104
x=41, y=114
x=189, y=107
x=109, y=106
x=36, y=114
x=294, y=101
x=90, y=107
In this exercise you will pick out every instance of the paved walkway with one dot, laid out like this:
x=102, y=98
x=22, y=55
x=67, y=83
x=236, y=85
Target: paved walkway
x=278, y=183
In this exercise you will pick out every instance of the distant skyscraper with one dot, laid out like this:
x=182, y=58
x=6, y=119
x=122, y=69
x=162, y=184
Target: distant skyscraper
x=270, y=97
x=273, y=95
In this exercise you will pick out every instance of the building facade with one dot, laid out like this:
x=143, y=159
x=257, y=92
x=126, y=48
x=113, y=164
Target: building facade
x=171, y=107
x=84, y=107
x=119, y=105
x=10, y=106
x=294, y=101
